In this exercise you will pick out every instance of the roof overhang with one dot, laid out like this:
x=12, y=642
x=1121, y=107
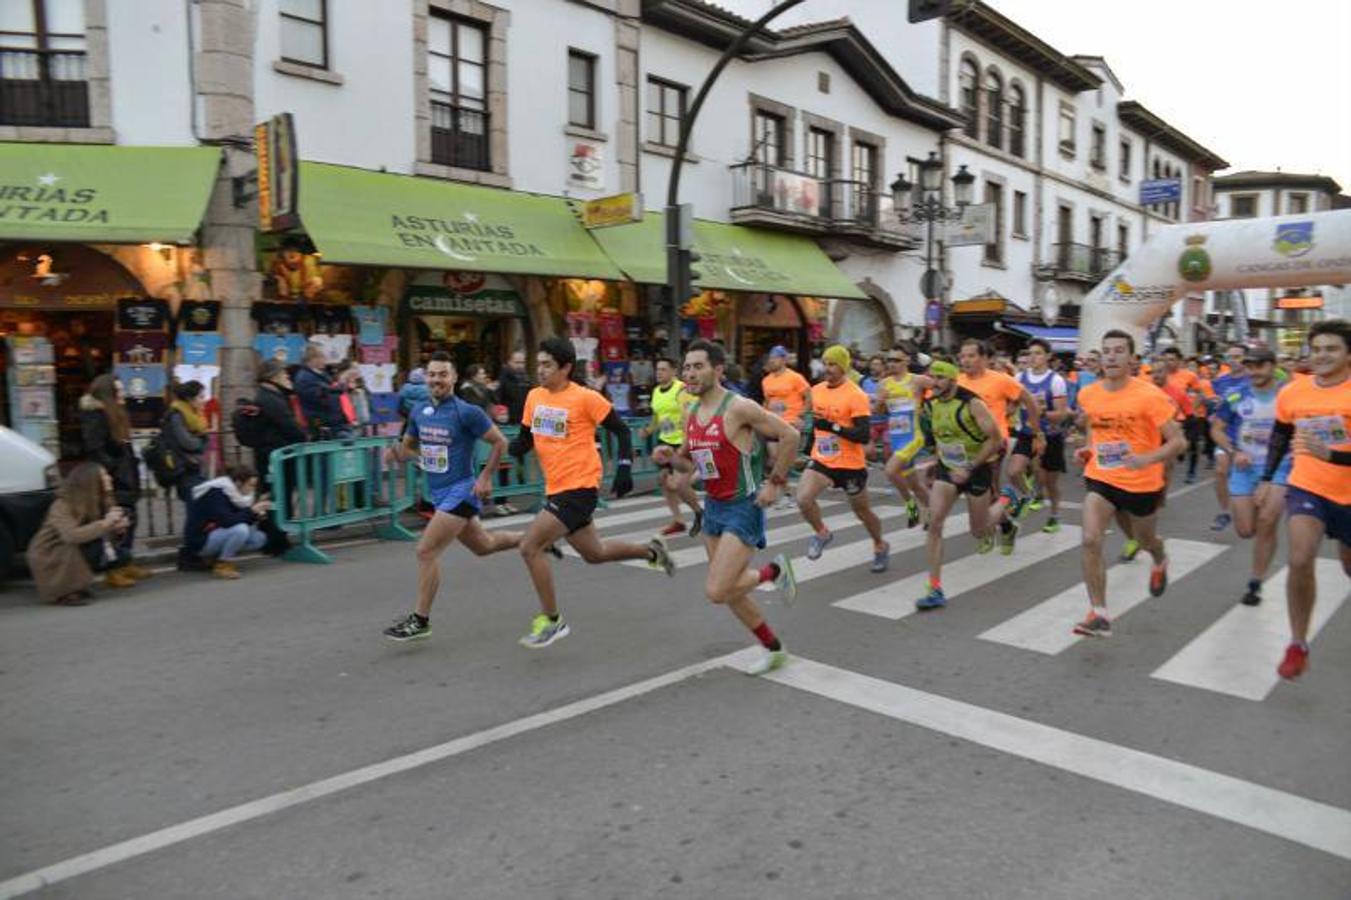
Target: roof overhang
x=997, y=30
x=1276, y=179
x=1134, y=115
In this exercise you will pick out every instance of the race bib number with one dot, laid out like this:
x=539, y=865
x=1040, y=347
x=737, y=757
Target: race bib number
x=435, y=458
x=1331, y=430
x=667, y=427
x=550, y=421
x=778, y=406
x=828, y=444
x=1112, y=454
x=1254, y=436
x=953, y=455
x=900, y=417
x=704, y=466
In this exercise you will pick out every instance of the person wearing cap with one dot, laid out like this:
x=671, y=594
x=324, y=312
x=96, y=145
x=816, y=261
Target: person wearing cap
x=1242, y=429
x=787, y=394
x=841, y=426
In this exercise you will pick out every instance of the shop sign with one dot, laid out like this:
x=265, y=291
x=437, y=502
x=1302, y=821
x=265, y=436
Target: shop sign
x=1122, y=291
x=1315, y=302
x=49, y=200
x=429, y=301
x=465, y=239
x=617, y=209
x=274, y=143
x=585, y=161
x=751, y=271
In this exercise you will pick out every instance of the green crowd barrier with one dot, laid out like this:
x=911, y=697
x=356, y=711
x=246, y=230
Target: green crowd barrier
x=329, y=483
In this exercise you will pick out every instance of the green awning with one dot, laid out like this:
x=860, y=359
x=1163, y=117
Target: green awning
x=735, y=258
x=373, y=218
x=104, y=195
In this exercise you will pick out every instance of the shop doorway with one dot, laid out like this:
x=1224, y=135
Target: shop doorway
x=768, y=320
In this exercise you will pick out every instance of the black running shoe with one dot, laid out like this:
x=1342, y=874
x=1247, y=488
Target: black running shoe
x=1251, y=597
x=698, y=524
x=409, y=629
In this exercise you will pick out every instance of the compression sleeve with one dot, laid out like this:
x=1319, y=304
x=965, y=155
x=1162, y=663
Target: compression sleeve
x=523, y=443
x=615, y=424
x=1278, y=447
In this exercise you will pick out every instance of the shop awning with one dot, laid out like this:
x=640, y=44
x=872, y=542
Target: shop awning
x=735, y=258
x=97, y=194
x=359, y=217
x=1061, y=338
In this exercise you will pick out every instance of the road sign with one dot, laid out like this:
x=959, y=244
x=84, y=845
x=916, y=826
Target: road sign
x=617, y=209
x=931, y=284
x=1160, y=190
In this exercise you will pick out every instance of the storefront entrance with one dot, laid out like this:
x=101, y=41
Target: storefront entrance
x=476, y=317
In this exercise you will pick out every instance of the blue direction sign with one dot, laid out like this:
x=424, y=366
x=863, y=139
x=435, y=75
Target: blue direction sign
x=1160, y=190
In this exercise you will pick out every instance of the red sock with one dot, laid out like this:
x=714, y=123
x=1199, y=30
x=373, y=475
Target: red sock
x=765, y=635
x=936, y=583
x=768, y=572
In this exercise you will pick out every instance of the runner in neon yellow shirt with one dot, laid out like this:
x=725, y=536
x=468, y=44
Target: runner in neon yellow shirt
x=899, y=397
x=669, y=402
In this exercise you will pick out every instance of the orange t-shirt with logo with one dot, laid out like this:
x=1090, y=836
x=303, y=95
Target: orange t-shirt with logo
x=840, y=405
x=783, y=392
x=563, y=425
x=1125, y=422
x=1324, y=412
x=997, y=390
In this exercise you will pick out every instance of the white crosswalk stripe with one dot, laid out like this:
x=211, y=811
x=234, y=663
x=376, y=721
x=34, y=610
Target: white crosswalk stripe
x=839, y=558
x=520, y=519
x=897, y=599
x=1237, y=654
x=1047, y=627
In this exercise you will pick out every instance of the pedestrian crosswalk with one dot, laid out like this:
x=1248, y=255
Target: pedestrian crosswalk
x=1234, y=655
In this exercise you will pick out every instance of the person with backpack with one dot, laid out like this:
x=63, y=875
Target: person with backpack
x=183, y=435
x=269, y=422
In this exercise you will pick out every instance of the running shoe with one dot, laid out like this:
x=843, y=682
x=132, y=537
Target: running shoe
x=786, y=581
x=818, y=545
x=661, y=556
x=698, y=524
x=1191, y=478
x=544, y=631
x=1222, y=521
x=1029, y=484
x=554, y=551
x=1019, y=508
x=1008, y=538
x=985, y=545
x=1035, y=504
x=1251, y=597
x=880, y=559
x=1094, y=626
x=409, y=629
x=1158, y=579
x=911, y=513
x=673, y=529
x=1129, y=550
x=1052, y=525
x=932, y=600
x=1295, y=662
x=771, y=660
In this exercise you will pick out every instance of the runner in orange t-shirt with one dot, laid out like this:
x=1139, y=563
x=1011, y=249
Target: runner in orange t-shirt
x=841, y=426
x=999, y=391
x=1133, y=434
x=1316, y=413
x=1189, y=383
x=787, y=395
x=559, y=423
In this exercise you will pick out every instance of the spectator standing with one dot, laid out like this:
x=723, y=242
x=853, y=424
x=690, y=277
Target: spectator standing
x=184, y=433
x=414, y=392
x=74, y=538
x=223, y=520
x=513, y=383
x=476, y=390
x=319, y=397
x=105, y=431
x=278, y=425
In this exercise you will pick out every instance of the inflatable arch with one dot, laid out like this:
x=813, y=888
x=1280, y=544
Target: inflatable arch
x=1271, y=252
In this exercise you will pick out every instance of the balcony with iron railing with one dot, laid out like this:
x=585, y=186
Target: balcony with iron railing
x=43, y=88
x=460, y=137
x=1080, y=262
x=774, y=197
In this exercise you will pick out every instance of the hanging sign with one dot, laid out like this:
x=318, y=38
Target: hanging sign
x=976, y=226
x=617, y=209
x=274, y=143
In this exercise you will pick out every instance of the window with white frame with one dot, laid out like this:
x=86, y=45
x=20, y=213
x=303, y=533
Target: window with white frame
x=665, y=111
x=1017, y=115
x=1124, y=163
x=994, y=108
x=969, y=91
x=581, y=89
x=1097, y=155
x=304, y=32
x=1243, y=206
x=1297, y=203
x=994, y=197
x=1019, y=227
x=43, y=64
x=1065, y=134
x=457, y=76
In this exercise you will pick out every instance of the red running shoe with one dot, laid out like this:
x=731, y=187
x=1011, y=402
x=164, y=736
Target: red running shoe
x=1295, y=662
x=1158, y=579
x=673, y=528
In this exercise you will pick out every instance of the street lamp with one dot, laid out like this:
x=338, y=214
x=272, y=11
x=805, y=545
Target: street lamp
x=930, y=209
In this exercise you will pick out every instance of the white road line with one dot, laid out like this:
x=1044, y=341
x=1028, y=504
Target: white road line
x=1237, y=654
x=1289, y=816
x=897, y=599
x=526, y=518
x=1047, y=627
x=839, y=558
x=254, y=809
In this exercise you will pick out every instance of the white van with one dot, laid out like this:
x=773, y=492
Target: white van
x=28, y=479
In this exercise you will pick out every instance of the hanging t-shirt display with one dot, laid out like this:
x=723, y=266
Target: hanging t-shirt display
x=199, y=349
x=330, y=319
x=140, y=347
x=199, y=315
x=384, y=352
x=371, y=322
x=336, y=346
x=205, y=375
x=289, y=348
x=142, y=314
x=279, y=318
x=585, y=347
x=379, y=379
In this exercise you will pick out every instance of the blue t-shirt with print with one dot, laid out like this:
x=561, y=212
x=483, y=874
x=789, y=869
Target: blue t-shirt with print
x=446, y=433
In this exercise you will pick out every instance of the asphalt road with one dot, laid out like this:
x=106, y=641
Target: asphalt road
x=196, y=738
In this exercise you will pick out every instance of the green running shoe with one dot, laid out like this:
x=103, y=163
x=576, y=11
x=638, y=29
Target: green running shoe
x=986, y=544
x=1008, y=538
x=1035, y=504
x=544, y=631
x=786, y=582
x=1052, y=525
x=1129, y=549
x=911, y=513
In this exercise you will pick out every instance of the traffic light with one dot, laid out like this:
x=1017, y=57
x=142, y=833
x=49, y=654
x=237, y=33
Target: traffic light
x=922, y=10
x=688, y=277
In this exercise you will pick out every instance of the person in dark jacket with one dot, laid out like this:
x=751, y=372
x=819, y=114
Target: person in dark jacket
x=105, y=431
x=184, y=433
x=319, y=398
x=223, y=520
x=475, y=388
x=512, y=385
x=279, y=425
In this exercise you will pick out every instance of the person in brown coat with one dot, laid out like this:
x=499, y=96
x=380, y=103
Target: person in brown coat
x=70, y=545
x=106, y=434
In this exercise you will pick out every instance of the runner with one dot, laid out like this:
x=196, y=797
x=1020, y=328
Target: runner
x=899, y=397
x=669, y=401
x=1235, y=375
x=559, y=423
x=722, y=445
x=1315, y=411
x=1242, y=429
x=1052, y=395
x=999, y=391
x=1132, y=431
x=839, y=442
x=787, y=395
x=1188, y=383
x=442, y=433
x=966, y=441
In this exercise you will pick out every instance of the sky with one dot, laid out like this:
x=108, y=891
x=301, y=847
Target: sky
x=1263, y=84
